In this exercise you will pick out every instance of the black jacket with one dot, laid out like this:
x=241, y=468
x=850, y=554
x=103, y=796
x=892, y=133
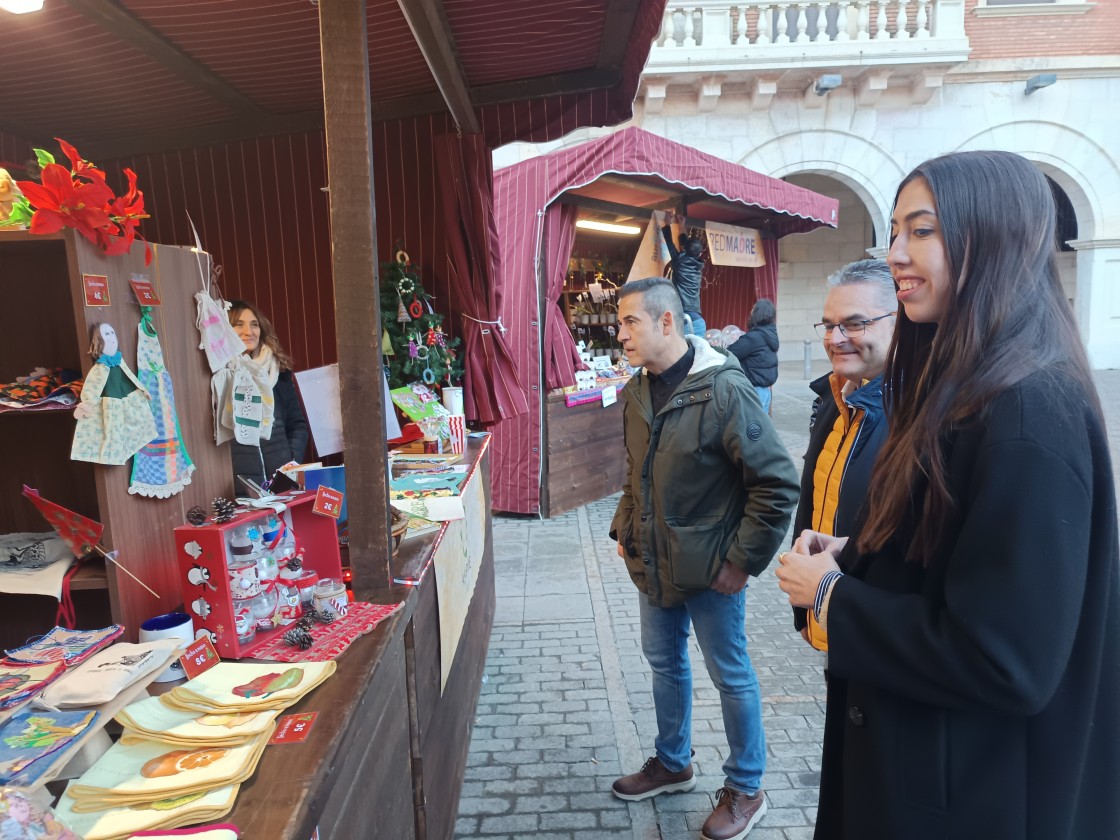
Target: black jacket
x=757, y=352
x=871, y=433
x=978, y=697
x=687, y=273
x=288, y=441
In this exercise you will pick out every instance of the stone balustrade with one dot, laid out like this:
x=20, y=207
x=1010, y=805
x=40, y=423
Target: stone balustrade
x=702, y=34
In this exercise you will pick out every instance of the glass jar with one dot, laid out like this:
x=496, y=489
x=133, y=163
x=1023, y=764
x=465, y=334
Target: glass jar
x=330, y=597
x=243, y=623
x=268, y=570
x=307, y=582
x=243, y=580
x=288, y=606
x=263, y=607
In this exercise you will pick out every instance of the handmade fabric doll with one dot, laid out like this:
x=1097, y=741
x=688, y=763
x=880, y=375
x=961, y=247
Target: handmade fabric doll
x=162, y=468
x=115, y=416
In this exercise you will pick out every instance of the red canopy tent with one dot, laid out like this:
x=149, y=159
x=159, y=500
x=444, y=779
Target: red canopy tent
x=535, y=231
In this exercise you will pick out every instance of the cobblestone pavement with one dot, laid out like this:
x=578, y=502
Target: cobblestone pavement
x=566, y=706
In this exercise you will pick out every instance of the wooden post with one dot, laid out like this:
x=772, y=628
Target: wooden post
x=346, y=109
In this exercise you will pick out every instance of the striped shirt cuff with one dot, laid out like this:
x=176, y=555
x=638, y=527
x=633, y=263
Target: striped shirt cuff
x=824, y=591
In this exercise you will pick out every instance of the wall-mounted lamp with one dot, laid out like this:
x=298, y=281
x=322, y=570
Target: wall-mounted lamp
x=607, y=227
x=21, y=7
x=1040, y=81
x=827, y=82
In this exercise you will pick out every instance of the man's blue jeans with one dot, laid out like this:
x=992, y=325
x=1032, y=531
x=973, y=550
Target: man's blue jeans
x=720, y=622
x=698, y=326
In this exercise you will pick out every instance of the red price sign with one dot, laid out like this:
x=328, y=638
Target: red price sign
x=97, y=289
x=199, y=657
x=328, y=502
x=292, y=729
x=144, y=291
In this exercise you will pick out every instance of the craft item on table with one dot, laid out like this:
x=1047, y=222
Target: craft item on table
x=115, y=416
x=219, y=339
x=23, y=819
x=419, y=403
x=446, y=482
x=41, y=389
x=223, y=831
x=331, y=641
x=62, y=645
x=29, y=551
x=107, y=673
x=122, y=823
x=197, y=516
x=433, y=508
x=224, y=510
x=457, y=424
x=21, y=682
x=299, y=637
x=245, y=687
x=162, y=468
x=135, y=774
x=29, y=738
x=151, y=720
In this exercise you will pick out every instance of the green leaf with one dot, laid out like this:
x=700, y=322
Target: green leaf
x=43, y=156
x=21, y=213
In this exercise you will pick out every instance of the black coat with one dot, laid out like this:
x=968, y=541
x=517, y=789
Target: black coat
x=757, y=352
x=980, y=697
x=288, y=441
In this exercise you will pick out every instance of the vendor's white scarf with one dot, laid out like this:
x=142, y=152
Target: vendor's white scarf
x=246, y=379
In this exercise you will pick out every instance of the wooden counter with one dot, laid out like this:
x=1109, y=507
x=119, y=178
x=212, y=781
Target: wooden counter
x=584, y=455
x=387, y=753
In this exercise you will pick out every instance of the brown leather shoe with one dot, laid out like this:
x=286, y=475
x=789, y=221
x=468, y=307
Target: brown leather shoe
x=735, y=815
x=651, y=780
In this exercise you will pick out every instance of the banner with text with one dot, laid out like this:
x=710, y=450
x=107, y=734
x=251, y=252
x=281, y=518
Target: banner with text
x=730, y=245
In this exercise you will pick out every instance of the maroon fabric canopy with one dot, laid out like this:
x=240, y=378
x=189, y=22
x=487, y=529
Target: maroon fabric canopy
x=522, y=197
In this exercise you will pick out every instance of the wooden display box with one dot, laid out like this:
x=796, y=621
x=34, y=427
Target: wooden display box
x=317, y=534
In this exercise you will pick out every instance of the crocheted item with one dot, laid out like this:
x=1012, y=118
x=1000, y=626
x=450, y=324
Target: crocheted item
x=162, y=468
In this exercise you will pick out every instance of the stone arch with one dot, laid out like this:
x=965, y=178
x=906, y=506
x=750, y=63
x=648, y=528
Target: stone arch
x=1080, y=166
x=862, y=166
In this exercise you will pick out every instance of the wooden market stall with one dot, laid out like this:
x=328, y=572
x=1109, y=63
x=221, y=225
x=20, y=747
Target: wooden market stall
x=308, y=142
x=563, y=452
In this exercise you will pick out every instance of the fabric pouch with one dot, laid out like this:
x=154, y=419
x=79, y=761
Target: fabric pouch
x=106, y=674
x=31, y=550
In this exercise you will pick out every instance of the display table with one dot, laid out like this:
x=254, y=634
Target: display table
x=387, y=753
x=584, y=457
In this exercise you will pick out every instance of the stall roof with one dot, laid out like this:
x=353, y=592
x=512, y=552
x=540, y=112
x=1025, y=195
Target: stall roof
x=120, y=77
x=633, y=168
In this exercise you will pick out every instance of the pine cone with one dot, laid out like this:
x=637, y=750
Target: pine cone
x=299, y=637
x=223, y=510
x=322, y=616
x=197, y=516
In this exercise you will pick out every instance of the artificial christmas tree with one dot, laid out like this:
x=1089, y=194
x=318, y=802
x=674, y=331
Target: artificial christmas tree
x=416, y=347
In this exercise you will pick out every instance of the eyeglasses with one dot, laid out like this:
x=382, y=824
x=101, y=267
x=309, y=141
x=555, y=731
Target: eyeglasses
x=848, y=328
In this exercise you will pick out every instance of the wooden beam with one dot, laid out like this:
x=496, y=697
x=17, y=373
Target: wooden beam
x=357, y=311
x=576, y=81
x=118, y=21
x=613, y=207
x=428, y=21
x=617, y=29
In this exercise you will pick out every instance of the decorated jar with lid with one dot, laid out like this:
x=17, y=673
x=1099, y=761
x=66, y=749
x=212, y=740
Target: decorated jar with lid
x=330, y=597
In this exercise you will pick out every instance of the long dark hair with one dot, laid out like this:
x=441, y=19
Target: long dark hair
x=268, y=333
x=1009, y=318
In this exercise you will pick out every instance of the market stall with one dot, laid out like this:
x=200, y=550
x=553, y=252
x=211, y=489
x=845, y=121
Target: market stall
x=555, y=456
x=279, y=128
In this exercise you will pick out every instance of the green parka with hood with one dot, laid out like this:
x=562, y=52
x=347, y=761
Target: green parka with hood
x=708, y=480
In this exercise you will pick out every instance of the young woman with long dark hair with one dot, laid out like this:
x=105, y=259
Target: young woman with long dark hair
x=974, y=619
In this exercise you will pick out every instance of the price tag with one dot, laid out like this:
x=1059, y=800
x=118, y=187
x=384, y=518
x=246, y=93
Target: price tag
x=97, y=289
x=328, y=502
x=292, y=729
x=610, y=395
x=144, y=291
x=199, y=658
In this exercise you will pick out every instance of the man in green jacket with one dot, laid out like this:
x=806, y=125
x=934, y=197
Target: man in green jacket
x=708, y=498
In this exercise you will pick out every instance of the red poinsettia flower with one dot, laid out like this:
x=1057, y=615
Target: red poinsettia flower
x=61, y=200
x=127, y=211
x=80, y=166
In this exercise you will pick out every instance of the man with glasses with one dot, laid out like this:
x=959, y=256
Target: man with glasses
x=848, y=425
